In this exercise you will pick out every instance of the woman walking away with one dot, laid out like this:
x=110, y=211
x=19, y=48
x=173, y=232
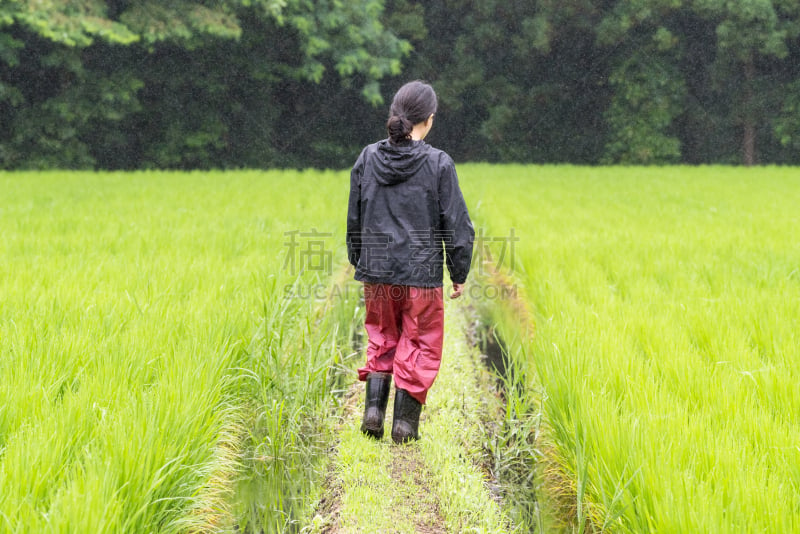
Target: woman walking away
x=406, y=213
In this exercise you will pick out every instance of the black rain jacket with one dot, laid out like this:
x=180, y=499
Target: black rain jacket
x=406, y=209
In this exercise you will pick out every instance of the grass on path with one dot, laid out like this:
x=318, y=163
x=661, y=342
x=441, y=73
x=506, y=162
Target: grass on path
x=435, y=485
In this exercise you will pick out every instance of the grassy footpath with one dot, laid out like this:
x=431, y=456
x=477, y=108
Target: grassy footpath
x=435, y=485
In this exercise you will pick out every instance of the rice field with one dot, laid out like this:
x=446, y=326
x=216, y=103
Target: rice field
x=665, y=357
x=153, y=374
x=170, y=356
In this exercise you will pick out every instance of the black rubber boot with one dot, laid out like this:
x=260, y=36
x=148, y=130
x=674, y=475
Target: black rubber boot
x=405, y=427
x=378, y=386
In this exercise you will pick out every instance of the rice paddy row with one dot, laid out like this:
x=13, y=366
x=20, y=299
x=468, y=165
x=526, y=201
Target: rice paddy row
x=665, y=303
x=169, y=356
x=153, y=374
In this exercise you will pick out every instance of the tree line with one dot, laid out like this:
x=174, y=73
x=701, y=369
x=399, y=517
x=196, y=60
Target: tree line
x=124, y=84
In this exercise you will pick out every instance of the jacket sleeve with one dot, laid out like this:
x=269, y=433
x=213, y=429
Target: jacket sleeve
x=458, y=233
x=353, y=236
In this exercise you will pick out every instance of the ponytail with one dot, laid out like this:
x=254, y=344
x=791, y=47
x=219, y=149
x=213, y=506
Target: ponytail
x=399, y=129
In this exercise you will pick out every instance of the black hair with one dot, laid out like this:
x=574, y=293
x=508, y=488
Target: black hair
x=413, y=103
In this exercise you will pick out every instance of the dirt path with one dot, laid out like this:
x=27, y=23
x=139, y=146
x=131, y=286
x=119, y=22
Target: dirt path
x=432, y=486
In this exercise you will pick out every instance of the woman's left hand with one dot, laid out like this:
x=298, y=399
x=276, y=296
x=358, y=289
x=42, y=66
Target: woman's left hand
x=457, y=290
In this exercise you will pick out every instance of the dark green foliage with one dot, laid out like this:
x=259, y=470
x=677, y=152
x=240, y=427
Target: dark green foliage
x=293, y=83
x=184, y=84
x=649, y=93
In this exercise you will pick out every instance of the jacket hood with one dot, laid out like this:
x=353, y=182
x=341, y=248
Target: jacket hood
x=397, y=163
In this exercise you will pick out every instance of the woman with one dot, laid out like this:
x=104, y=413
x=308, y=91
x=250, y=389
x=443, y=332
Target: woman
x=406, y=213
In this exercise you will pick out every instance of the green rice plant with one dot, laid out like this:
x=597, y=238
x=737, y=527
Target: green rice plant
x=665, y=304
x=150, y=353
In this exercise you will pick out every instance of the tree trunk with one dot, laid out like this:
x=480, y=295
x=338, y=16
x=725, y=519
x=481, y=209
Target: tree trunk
x=749, y=143
x=749, y=134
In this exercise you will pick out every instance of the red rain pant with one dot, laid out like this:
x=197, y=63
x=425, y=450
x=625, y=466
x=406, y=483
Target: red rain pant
x=405, y=326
